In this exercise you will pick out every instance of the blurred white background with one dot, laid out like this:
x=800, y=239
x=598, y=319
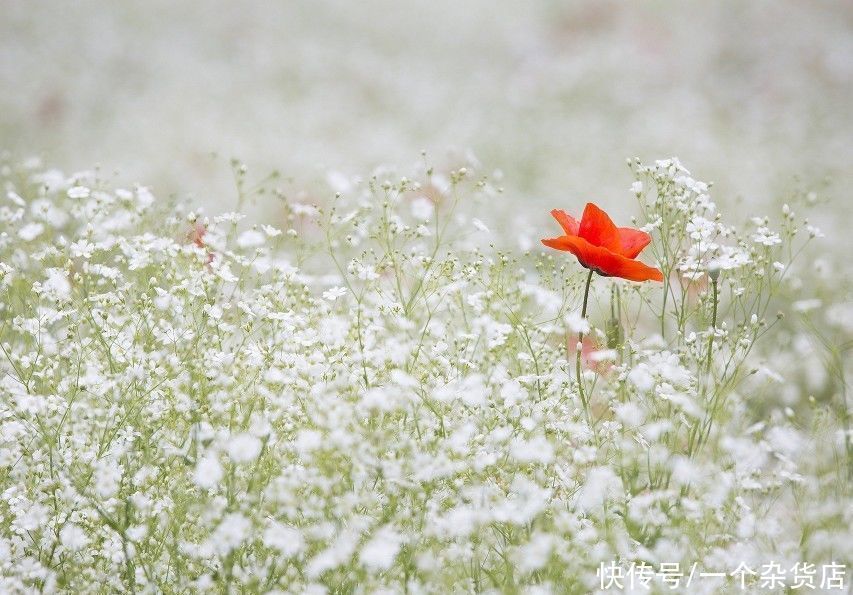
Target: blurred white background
x=554, y=94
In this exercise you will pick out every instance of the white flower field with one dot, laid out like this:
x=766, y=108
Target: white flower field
x=366, y=400
x=303, y=372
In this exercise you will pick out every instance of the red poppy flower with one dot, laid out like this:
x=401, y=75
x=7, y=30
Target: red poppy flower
x=602, y=247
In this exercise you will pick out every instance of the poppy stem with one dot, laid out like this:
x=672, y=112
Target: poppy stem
x=579, y=349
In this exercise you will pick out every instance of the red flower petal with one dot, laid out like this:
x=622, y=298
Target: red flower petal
x=597, y=229
x=569, y=224
x=604, y=261
x=633, y=241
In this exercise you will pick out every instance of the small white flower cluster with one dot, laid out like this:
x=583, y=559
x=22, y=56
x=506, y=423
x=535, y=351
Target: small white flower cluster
x=374, y=402
x=687, y=220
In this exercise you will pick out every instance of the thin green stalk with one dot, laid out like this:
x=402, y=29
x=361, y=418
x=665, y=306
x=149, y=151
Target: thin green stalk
x=579, y=350
x=713, y=325
x=695, y=439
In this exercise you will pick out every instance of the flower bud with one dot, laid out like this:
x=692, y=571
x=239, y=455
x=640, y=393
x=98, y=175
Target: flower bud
x=714, y=270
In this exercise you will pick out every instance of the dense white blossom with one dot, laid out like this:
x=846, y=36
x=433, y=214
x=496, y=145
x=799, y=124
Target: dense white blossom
x=193, y=404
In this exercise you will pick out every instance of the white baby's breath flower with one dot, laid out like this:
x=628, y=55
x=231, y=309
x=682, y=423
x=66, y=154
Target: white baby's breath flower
x=82, y=249
x=334, y=293
x=535, y=553
x=56, y=286
x=78, y=192
x=30, y=231
x=214, y=311
x=223, y=271
x=288, y=541
x=534, y=450
x=231, y=532
x=602, y=355
x=144, y=197
x=366, y=272
x=243, y=448
x=766, y=237
x=630, y=414
x=232, y=218
x=577, y=323
x=251, y=238
x=600, y=485
x=642, y=378
x=137, y=532
x=814, y=231
x=308, y=441
x=480, y=225
x=305, y=210
x=73, y=537
x=379, y=553
x=16, y=198
x=512, y=393
x=208, y=472
x=807, y=305
x=422, y=208
x=49, y=212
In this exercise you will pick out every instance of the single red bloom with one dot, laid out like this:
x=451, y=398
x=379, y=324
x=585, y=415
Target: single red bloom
x=602, y=247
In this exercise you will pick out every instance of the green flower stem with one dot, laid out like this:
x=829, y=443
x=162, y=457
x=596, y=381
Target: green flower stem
x=579, y=349
x=697, y=434
x=713, y=326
